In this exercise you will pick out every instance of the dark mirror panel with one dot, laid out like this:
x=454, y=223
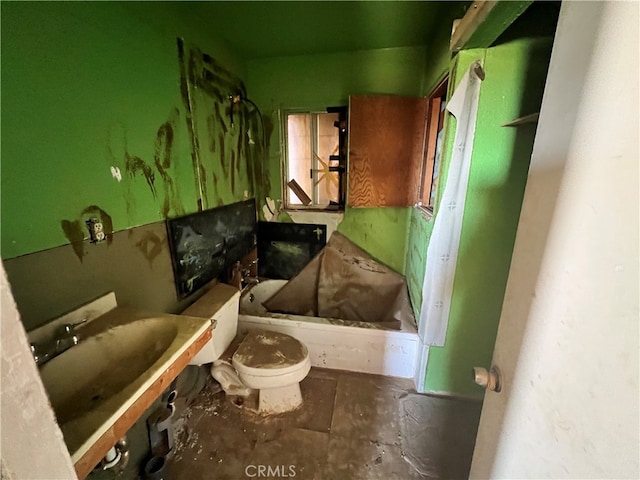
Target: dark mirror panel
x=285, y=248
x=204, y=244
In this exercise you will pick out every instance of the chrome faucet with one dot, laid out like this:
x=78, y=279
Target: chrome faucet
x=243, y=271
x=38, y=356
x=66, y=338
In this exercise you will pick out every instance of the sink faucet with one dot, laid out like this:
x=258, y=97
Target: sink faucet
x=66, y=338
x=39, y=356
x=242, y=272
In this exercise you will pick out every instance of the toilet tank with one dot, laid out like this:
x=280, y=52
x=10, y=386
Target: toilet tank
x=220, y=304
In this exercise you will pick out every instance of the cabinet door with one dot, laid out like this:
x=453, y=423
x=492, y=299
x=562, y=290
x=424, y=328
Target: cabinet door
x=386, y=148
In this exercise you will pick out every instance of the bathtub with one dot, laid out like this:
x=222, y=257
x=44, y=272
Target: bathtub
x=335, y=343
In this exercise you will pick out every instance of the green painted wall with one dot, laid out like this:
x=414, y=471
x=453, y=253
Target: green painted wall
x=318, y=81
x=438, y=54
x=437, y=66
x=419, y=234
x=500, y=18
x=515, y=75
x=382, y=232
x=87, y=86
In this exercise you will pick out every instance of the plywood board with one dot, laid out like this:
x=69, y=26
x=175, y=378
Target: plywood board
x=386, y=145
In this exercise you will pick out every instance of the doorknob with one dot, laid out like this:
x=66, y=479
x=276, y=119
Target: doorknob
x=491, y=380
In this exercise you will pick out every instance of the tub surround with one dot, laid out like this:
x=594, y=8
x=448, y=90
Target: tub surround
x=90, y=436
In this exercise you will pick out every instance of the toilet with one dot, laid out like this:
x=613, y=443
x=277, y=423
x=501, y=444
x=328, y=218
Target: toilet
x=272, y=363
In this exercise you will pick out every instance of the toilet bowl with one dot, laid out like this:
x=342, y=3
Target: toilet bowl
x=272, y=363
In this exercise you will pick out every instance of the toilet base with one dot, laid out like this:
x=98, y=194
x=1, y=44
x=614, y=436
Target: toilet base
x=279, y=399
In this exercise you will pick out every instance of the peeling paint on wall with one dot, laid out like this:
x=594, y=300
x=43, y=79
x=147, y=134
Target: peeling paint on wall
x=222, y=157
x=135, y=165
x=198, y=169
x=165, y=193
x=106, y=109
x=162, y=159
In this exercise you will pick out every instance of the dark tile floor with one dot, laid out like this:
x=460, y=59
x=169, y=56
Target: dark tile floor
x=352, y=426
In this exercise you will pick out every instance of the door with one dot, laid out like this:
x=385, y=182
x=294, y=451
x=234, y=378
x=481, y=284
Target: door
x=567, y=343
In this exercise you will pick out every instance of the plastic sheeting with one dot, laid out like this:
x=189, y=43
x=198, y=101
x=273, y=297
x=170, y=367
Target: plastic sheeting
x=344, y=282
x=442, y=252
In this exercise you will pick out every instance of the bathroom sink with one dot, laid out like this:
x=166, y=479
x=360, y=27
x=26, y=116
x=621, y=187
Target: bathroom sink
x=83, y=377
x=125, y=359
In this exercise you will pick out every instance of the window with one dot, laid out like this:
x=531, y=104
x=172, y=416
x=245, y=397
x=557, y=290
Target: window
x=315, y=170
x=433, y=146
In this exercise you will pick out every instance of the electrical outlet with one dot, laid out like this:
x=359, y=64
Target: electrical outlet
x=96, y=230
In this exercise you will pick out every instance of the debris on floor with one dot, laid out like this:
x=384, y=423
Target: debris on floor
x=351, y=426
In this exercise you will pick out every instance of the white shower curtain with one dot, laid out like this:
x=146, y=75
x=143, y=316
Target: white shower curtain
x=442, y=253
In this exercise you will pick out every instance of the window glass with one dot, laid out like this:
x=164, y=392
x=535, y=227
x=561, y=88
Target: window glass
x=312, y=142
x=298, y=153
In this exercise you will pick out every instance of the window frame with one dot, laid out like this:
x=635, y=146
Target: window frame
x=286, y=191
x=435, y=124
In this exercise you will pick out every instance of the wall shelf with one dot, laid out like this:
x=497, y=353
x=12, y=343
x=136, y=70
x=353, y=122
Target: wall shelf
x=531, y=118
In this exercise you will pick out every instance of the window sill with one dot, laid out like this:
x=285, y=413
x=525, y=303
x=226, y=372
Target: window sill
x=314, y=209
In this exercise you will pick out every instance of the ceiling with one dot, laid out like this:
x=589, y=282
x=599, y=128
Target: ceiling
x=274, y=28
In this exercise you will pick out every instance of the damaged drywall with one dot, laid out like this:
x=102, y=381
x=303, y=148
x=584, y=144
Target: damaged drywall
x=224, y=128
x=157, y=172
x=76, y=230
x=111, y=129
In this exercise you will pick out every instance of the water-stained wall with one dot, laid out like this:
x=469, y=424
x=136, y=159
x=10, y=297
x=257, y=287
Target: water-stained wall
x=225, y=130
x=96, y=125
x=104, y=116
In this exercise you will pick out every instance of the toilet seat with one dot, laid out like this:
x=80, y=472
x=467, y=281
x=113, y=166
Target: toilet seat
x=268, y=359
x=272, y=363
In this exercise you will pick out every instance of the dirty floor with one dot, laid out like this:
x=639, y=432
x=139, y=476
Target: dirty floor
x=352, y=426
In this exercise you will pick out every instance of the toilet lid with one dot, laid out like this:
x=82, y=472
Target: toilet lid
x=272, y=353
